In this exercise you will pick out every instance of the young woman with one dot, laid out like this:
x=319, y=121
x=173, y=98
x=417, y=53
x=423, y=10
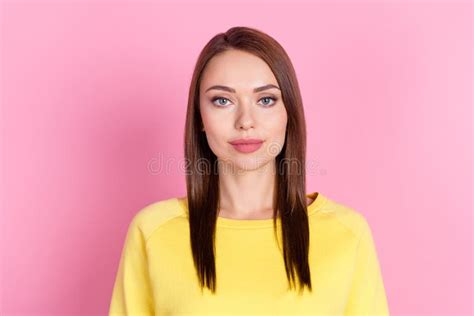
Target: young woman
x=247, y=239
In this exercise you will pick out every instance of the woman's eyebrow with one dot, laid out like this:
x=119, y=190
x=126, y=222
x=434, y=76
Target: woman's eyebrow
x=228, y=89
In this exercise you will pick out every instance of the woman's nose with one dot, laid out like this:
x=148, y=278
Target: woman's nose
x=245, y=119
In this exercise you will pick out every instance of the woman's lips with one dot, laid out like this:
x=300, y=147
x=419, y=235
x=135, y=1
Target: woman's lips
x=247, y=147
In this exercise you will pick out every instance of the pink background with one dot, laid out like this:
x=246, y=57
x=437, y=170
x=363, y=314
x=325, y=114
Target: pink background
x=93, y=106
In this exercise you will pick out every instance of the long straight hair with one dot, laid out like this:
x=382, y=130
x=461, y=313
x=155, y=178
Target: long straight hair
x=289, y=201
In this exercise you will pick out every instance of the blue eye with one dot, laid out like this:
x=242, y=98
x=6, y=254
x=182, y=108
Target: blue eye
x=271, y=98
x=219, y=98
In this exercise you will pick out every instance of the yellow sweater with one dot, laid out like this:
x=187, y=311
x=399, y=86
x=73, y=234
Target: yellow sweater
x=156, y=273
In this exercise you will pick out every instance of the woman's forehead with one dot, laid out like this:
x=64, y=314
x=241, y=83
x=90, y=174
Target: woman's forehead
x=238, y=70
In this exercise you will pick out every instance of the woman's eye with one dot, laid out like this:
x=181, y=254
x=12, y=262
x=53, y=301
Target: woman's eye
x=218, y=99
x=269, y=98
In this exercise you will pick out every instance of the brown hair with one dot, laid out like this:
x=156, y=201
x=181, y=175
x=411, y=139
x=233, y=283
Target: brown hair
x=289, y=203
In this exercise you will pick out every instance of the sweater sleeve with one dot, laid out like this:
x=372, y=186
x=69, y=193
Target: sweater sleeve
x=132, y=294
x=367, y=295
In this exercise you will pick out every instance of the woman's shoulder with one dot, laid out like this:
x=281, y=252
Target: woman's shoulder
x=156, y=214
x=335, y=212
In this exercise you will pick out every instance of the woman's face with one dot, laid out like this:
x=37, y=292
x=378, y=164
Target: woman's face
x=233, y=110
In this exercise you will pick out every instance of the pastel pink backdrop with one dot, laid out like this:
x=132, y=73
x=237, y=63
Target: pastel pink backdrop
x=93, y=106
